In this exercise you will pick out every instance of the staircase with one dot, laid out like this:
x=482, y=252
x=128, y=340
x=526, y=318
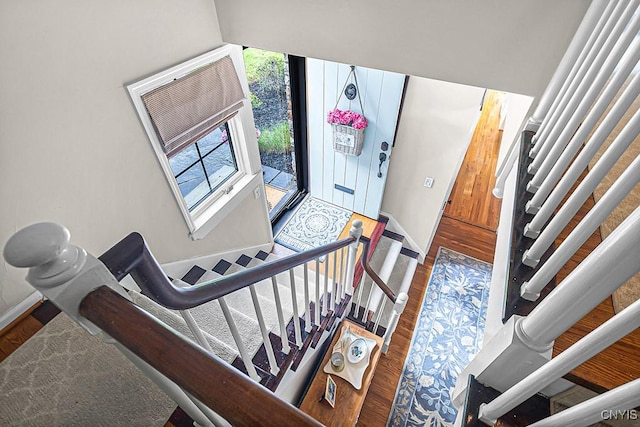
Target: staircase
x=559, y=326
x=235, y=327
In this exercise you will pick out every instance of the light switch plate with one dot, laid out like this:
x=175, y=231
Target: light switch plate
x=428, y=182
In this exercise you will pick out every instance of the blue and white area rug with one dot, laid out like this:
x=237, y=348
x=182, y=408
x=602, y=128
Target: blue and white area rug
x=314, y=224
x=448, y=333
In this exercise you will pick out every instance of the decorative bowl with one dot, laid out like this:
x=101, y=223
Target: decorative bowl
x=357, y=351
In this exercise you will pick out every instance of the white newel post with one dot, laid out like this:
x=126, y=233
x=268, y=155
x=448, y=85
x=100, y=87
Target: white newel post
x=66, y=274
x=593, y=343
x=570, y=57
x=398, y=308
x=355, y=231
x=524, y=344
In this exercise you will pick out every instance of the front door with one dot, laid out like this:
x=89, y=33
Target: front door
x=352, y=182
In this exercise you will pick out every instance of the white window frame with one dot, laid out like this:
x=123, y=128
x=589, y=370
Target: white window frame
x=210, y=212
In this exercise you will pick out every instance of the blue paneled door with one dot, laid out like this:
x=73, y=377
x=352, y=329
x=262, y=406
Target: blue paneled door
x=349, y=181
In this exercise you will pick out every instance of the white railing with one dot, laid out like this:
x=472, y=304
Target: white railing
x=517, y=360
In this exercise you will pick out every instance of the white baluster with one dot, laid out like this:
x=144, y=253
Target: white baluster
x=333, y=281
x=294, y=305
x=359, y=299
x=325, y=306
x=195, y=330
x=584, y=79
x=379, y=316
x=586, y=94
x=343, y=269
x=271, y=357
x=557, y=169
x=597, y=37
x=398, y=308
x=544, y=211
x=356, y=232
x=600, y=211
x=317, y=305
x=367, y=306
x=589, y=412
x=283, y=326
x=532, y=256
x=246, y=359
x=307, y=308
x=505, y=169
x=577, y=45
x=593, y=343
x=587, y=285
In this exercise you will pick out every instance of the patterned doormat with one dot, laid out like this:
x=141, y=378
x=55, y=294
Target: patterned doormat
x=447, y=336
x=315, y=223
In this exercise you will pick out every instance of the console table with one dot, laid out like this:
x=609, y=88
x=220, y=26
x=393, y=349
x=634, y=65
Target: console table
x=349, y=401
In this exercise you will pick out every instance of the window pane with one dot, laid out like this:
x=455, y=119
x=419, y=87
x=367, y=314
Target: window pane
x=204, y=166
x=193, y=185
x=220, y=165
x=183, y=159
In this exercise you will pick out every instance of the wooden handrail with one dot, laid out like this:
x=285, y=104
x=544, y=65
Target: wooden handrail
x=226, y=391
x=374, y=276
x=132, y=256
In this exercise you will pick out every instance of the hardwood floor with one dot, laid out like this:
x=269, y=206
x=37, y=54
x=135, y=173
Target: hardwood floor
x=461, y=230
x=471, y=240
x=471, y=198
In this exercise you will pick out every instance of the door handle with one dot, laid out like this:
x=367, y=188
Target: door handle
x=382, y=158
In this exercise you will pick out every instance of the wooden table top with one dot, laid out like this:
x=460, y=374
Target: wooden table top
x=349, y=401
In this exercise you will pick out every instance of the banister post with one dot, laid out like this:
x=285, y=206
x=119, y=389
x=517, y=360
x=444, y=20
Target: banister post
x=522, y=344
x=66, y=274
x=398, y=308
x=62, y=272
x=356, y=232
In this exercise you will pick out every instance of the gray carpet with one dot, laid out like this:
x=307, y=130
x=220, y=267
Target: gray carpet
x=62, y=376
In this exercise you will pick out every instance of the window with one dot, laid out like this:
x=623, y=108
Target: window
x=199, y=121
x=204, y=166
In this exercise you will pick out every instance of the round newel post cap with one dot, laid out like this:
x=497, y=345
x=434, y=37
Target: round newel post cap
x=36, y=244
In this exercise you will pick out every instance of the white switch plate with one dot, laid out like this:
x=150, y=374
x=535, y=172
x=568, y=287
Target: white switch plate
x=428, y=182
x=256, y=192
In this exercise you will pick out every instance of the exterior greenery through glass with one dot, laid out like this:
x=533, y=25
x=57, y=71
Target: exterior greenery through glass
x=204, y=166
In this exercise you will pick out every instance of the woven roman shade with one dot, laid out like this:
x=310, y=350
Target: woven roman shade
x=188, y=108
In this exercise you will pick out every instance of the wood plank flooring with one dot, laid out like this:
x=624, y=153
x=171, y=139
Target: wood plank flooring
x=471, y=198
x=471, y=240
x=470, y=233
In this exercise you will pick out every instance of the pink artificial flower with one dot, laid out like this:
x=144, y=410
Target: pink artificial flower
x=347, y=117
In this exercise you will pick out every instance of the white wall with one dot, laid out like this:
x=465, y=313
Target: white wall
x=435, y=128
x=508, y=45
x=71, y=147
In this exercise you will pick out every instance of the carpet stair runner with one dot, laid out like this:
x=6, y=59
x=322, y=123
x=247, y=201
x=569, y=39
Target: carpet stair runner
x=395, y=264
x=210, y=318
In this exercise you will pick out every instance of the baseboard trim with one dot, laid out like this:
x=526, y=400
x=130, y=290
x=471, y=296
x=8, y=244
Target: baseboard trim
x=17, y=310
x=394, y=224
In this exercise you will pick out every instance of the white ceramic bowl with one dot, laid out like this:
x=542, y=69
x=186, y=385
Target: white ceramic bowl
x=357, y=351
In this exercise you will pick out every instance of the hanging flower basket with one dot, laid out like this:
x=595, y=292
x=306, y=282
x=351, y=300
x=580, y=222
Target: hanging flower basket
x=348, y=131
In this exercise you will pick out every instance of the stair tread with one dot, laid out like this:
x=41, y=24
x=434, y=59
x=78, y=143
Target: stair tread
x=175, y=321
